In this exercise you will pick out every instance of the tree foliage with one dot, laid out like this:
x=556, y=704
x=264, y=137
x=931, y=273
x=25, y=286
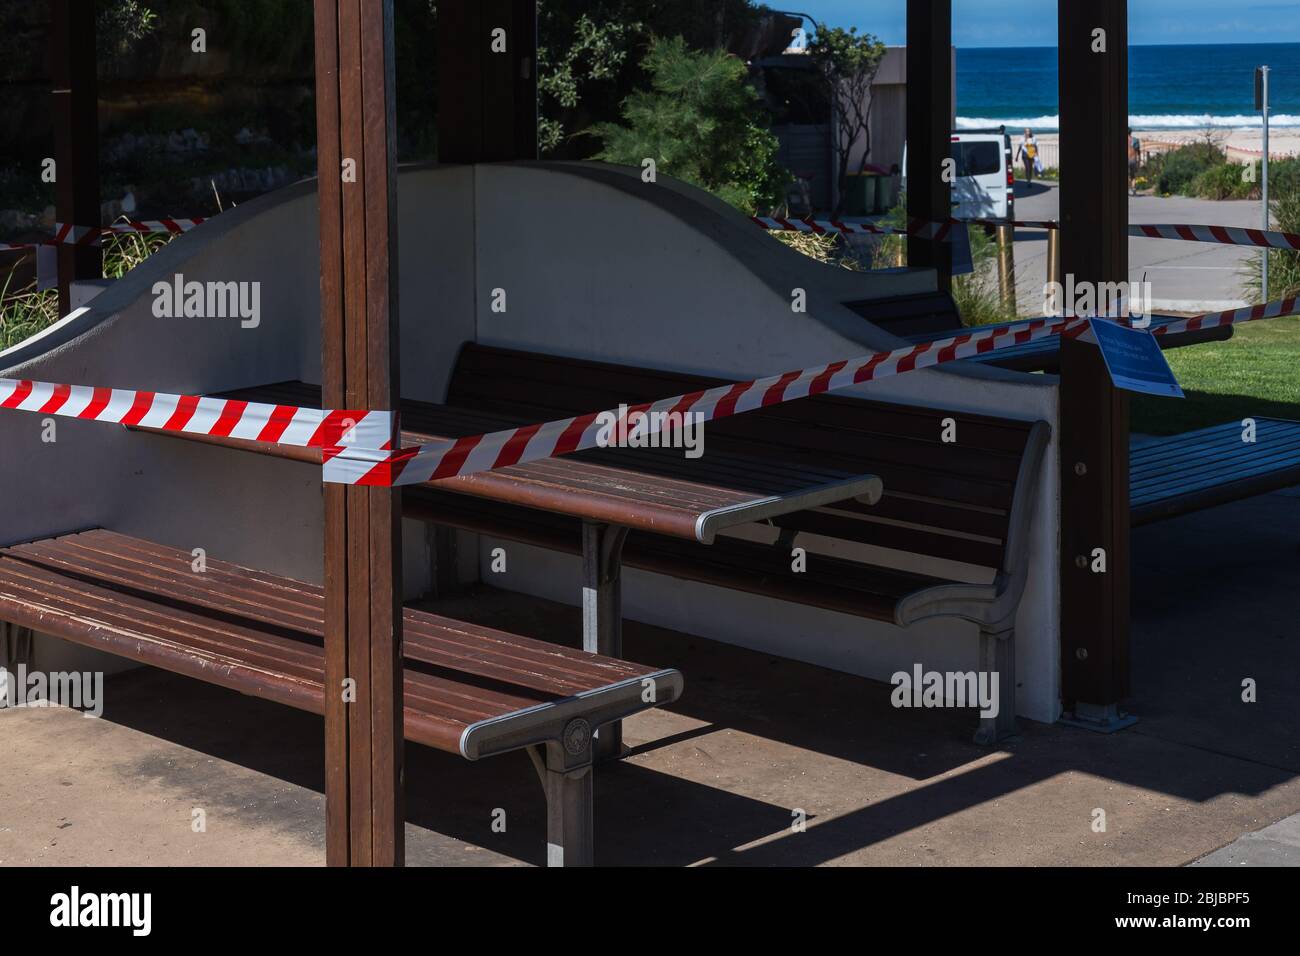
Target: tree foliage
x=701, y=122
x=847, y=63
x=589, y=51
x=590, y=54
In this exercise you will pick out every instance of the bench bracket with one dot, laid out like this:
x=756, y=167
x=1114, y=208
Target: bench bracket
x=998, y=656
x=1100, y=719
x=566, y=774
x=15, y=648
x=602, y=610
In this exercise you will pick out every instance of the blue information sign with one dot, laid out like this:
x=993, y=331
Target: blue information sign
x=962, y=260
x=1134, y=359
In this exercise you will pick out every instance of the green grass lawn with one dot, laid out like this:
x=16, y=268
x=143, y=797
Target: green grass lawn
x=1255, y=374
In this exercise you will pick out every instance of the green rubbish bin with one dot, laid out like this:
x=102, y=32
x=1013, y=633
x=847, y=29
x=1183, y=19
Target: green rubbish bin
x=860, y=197
x=886, y=193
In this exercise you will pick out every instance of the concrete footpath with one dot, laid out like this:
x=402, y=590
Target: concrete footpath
x=1184, y=276
x=718, y=778
x=1278, y=845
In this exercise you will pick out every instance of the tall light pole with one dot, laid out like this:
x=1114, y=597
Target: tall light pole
x=1261, y=104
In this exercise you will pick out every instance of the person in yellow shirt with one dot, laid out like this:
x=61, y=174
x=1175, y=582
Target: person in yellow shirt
x=1028, y=154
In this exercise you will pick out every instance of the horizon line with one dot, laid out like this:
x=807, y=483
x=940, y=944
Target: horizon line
x=1053, y=46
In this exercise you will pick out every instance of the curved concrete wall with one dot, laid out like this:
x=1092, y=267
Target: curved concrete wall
x=594, y=263
x=598, y=264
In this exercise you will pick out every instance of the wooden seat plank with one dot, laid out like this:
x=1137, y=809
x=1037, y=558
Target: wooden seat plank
x=657, y=490
x=833, y=583
x=1179, y=474
x=263, y=634
x=433, y=640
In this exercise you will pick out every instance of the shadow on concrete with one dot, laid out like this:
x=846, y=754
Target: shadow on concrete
x=1214, y=604
x=446, y=794
x=1038, y=188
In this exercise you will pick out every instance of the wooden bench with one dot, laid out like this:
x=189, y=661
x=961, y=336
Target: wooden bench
x=468, y=690
x=611, y=491
x=1179, y=474
x=969, y=501
x=809, y=471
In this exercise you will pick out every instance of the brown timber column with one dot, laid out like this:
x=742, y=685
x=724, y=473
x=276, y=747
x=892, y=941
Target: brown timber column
x=74, y=94
x=1094, y=415
x=929, y=127
x=487, y=101
x=359, y=351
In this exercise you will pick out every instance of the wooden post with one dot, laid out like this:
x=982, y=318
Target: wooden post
x=487, y=80
x=359, y=369
x=929, y=128
x=1007, y=268
x=1094, y=415
x=74, y=95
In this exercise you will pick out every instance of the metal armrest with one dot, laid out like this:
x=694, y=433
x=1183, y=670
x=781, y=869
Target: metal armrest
x=990, y=605
x=549, y=722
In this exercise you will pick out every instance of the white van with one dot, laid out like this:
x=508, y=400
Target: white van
x=985, y=187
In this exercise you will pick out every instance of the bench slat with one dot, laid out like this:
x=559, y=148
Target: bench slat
x=831, y=583
x=262, y=634
x=1184, y=473
x=442, y=641
x=491, y=363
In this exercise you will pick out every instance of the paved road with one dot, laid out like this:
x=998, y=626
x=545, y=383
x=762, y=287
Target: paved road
x=1184, y=276
x=1276, y=845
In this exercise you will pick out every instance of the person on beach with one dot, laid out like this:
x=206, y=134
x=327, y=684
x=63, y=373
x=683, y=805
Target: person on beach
x=1028, y=154
x=1134, y=160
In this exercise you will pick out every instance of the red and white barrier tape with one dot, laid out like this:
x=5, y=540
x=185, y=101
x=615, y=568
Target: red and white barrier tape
x=941, y=231
x=466, y=456
x=65, y=234
x=937, y=231
x=356, y=446
x=1210, y=320
x=217, y=417
x=1224, y=235
x=85, y=235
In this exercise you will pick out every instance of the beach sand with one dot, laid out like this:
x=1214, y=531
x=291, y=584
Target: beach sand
x=1240, y=144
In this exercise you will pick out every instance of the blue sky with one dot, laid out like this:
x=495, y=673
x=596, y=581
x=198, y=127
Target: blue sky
x=1033, y=22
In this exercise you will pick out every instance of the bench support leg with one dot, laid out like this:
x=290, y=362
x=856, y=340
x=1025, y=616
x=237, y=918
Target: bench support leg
x=998, y=656
x=602, y=610
x=567, y=778
x=15, y=649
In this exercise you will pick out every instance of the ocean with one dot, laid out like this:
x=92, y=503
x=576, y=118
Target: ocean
x=1170, y=87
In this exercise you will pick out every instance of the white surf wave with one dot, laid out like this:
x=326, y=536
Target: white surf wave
x=1137, y=121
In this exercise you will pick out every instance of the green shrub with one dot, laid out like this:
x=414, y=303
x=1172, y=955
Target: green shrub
x=979, y=301
x=976, y=294
x=26, y=311
x=702, y=122
x=1283, y=266
x=1283, y=177
x=1174, y=171
x=827, y=249
x=1225, y=181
